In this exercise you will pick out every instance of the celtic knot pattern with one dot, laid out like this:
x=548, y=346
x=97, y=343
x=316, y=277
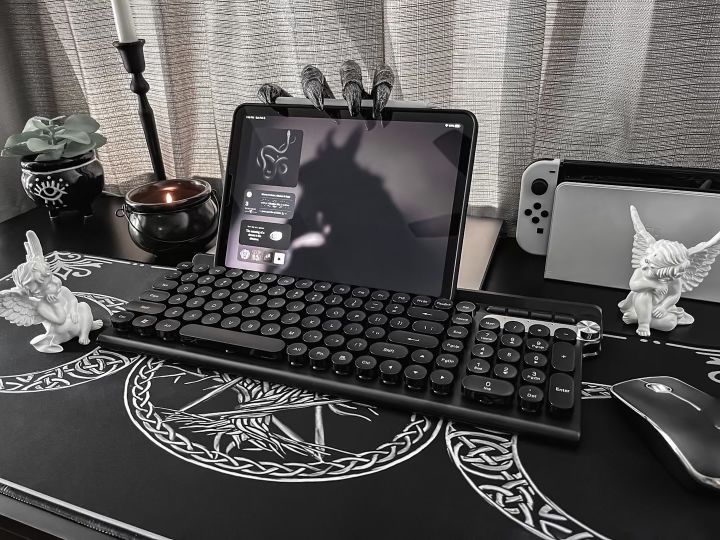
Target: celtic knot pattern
x=489, y=461
x=94, y=365
x=419, y=432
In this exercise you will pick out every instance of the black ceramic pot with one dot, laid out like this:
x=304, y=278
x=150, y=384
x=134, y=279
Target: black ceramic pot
x=64, y=184
x=172, y=216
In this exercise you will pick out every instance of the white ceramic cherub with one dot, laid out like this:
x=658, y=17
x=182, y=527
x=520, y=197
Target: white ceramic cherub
x=39, y=297
x=664, y=269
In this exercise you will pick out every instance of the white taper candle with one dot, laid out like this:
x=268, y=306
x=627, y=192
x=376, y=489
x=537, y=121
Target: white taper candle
x=124, y=21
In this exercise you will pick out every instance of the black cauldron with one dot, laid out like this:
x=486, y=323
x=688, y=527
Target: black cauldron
x=172, y=216
x=64, y=184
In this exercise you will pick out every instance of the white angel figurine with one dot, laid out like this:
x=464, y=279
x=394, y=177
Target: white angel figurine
x=664, y=269
x=39, y=297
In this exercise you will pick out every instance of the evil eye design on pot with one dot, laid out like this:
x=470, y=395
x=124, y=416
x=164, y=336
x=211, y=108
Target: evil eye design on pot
x=51, y=191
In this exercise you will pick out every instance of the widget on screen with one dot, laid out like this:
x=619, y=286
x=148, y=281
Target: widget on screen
x=277, y=154
x=263, y=202
x=264, y=234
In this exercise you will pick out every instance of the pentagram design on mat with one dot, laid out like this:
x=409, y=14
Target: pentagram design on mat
x=255, y=429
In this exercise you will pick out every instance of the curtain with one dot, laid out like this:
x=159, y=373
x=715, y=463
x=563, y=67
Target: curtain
x=615, y=80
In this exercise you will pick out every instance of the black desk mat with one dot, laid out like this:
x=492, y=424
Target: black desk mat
x=99, y=437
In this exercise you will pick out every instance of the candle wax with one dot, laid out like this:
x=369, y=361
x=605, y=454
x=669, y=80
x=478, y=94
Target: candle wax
x=124, y=21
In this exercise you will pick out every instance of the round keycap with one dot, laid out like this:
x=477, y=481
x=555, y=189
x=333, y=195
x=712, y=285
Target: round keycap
x=537, y=345
x=270, y=329
x=268, y=278
x=341, y=289
x=355, y=316
x=295, y=306
x=222, y=283
x=565, y=334
x=286, y=280
x=189, y=277
x=373, y=306
x=505, y=371
x=322, y=286
x=203, y=291
x=415, y=377
x=250, y=275
x=290, y=318
x=310, y=322
x=335, y=313
x=441, y=382
x=177, y=299
x=312, y=336
x=422, y=357
x=465, y=307
x=257, y=300
x=375, y=332
x=457, y=332
x=291, y=332
x=296, y=354
x=122, y=320
x=478, y=367
x=514, y=327
x=240, y=285
x=332, y=325
x=239, y=297
x=510, y=340
x=483, y=351
x=233, y=273
x=211, y=319
x=390, y=371
x=186, y=289
x=192, y=315
x=538, y=331
x=536, y=360
x=342, y=362
x=276, y=291
x=217, y=270
x=173, y=312
x=353, y=329
x=333, y=300
x=205, y=280
x=356, y=345
x=294, y=294
x=360, y=292
x=213, y=305
x=509, y=356
x=531, y=398
x=314, y=297
x=185, y=265
x=250, y=312
x=533, y=376
x=421, y=301
x=229, y=323
x=319, y=358
x=275, y=303
x=200, y=268
x=379, y=295
x=365, y=367
x=447, y=361
x=220, y=294
x=195, y=302
x=250, y=326
x=304, y=283
x=486, y=336
x=394, y=309
x=270, y=315
x=453, y=346
x=334, y=341
x=489, y=323
x=443, y=303
x=144, y=325
x=399, y=323
x=462, y=319
x=377, y=319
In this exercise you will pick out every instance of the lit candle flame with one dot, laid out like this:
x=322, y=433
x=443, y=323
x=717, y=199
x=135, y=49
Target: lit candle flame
x=168, y=198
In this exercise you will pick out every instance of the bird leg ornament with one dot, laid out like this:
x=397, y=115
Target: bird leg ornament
x=664, y=269
x=316, y=89
x=39, y=297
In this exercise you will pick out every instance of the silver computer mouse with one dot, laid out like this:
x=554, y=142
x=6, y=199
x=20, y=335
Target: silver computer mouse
x=683, y=424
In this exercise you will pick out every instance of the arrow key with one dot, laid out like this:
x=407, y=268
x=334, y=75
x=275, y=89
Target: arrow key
x=441, y=382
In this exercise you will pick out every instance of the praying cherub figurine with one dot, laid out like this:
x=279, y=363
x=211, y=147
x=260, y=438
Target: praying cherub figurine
x=664, y=269
x=39, y=297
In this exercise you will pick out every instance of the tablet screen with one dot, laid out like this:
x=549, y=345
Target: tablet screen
x=348, y=200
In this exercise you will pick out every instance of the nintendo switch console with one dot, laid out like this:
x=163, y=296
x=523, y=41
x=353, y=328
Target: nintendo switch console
x=541, y=179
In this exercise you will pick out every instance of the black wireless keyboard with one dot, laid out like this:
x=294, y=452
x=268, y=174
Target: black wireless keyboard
x=504, y=361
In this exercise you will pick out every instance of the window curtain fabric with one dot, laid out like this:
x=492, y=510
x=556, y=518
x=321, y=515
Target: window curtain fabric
x=615, y=80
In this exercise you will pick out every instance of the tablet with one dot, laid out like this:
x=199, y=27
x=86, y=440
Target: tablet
x=326, y=196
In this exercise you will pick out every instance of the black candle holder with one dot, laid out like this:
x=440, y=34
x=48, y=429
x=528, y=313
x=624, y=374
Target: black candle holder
x=134, y=62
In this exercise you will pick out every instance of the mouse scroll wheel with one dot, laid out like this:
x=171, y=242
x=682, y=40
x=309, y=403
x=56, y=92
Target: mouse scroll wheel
x=659, y=388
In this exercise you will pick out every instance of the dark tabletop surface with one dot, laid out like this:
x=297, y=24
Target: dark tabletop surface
x=611, y=481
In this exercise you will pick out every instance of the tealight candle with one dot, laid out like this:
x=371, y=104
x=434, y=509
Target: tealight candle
x=172, y=216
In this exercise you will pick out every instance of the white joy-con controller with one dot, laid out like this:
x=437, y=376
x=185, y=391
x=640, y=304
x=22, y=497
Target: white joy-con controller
x=537, y=193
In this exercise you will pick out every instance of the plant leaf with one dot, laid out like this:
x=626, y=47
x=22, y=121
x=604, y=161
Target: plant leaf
x=18, y=138
x=49, y=156
x=19, y=150
x=72, y=135
x=40, y=146
x=81, y=122
x=98, y=140
x=74, y=149
x=57, y=118
x=36, y=123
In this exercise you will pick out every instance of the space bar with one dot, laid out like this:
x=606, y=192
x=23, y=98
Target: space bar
x=233, y=340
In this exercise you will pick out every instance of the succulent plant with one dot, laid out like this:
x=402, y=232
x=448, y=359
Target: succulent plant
x=48, y=139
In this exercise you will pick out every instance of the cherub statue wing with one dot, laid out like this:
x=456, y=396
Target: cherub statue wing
x=18, y=308
x=642, y=239
x=702, y=256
